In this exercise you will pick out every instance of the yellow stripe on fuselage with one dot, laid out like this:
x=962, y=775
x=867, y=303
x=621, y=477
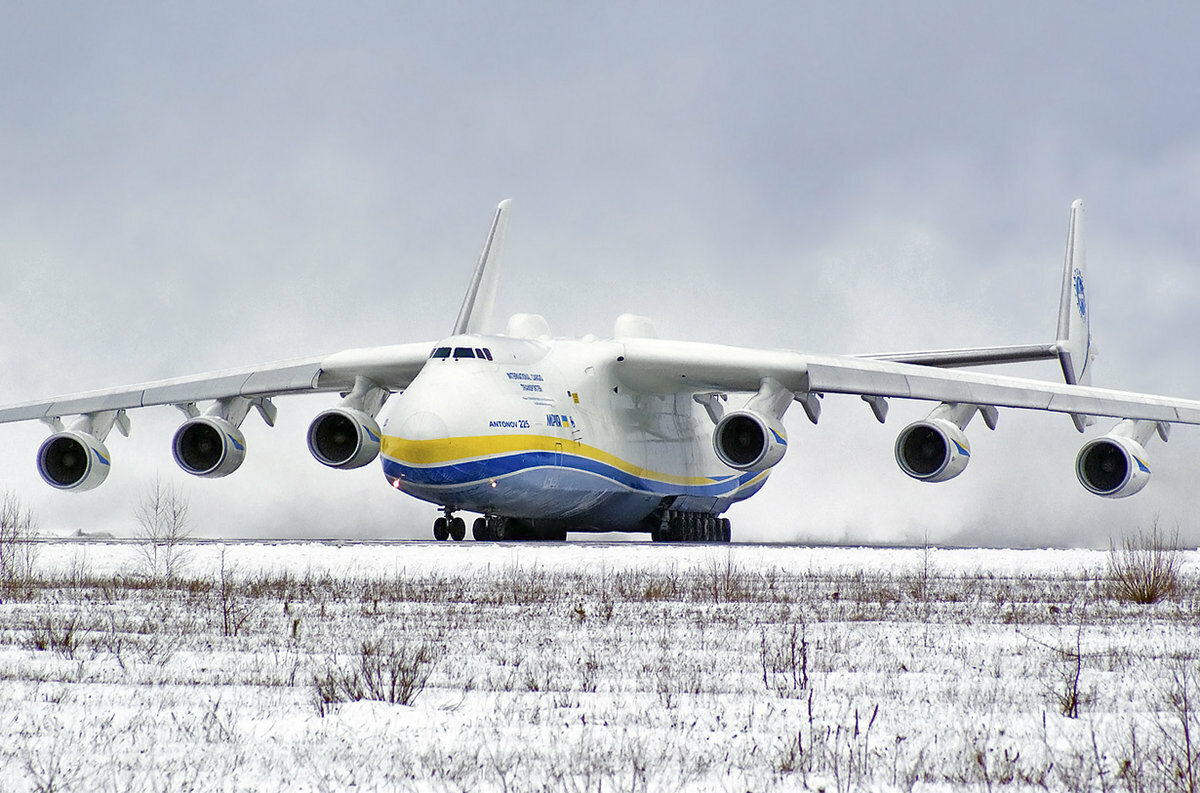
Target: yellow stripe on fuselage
x=443, y=451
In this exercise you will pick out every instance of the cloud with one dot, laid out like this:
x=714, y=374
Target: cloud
x=191, y=189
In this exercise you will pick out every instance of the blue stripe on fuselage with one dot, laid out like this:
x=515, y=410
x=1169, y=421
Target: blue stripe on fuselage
x=471, y=471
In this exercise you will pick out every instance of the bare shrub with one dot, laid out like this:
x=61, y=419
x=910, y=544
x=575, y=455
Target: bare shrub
x=152, y=639
x=1179, y=755
x=1168, y=758
x=527, y=586
x=235, y=610
x=48, y=770
x=725, y=582
x=589, y=667
x=18, y=530
x=639, y=585
x=163, y=527
x=1065, y=689
x=1132, y=770
x=1145, y=569
x=385, y=672
x=537, y=676
x=785, y=660
x=60, y=635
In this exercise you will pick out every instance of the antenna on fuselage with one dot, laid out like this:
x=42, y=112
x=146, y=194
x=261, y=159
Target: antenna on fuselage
x=475, y=316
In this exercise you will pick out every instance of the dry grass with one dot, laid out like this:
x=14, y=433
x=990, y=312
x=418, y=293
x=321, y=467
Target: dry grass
x=722, y=675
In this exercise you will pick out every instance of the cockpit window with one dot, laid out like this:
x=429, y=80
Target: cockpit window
x=482, y=353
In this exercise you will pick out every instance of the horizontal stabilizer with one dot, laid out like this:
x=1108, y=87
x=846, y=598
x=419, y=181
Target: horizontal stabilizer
x=977, y=356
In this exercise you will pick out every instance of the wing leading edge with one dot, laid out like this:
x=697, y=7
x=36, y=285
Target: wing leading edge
x=392, y=368
x=656, y=366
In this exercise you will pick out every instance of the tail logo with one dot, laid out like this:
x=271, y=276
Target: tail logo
x=1080, y=298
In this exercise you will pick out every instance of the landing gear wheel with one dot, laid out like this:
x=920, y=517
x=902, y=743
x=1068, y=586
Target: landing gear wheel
x=441, y=530
x=479, y=529
x=500, y=531
x=726, y=530
x=458, y=529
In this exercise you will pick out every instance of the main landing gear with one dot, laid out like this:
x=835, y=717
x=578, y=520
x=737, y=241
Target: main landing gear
x=692, y=527
x=492, y=528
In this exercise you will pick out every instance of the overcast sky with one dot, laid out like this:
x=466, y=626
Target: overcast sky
x=190, y=187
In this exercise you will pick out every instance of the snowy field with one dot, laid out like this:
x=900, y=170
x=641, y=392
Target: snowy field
x=593, y=667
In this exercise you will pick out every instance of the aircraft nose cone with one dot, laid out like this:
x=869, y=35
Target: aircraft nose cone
x=423, y=425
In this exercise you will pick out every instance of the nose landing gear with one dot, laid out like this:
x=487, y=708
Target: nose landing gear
x=449, y=527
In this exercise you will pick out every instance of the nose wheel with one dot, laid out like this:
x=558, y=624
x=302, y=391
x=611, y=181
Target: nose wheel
x=449, y=527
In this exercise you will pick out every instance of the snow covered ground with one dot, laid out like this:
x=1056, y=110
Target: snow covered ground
x=590, y=667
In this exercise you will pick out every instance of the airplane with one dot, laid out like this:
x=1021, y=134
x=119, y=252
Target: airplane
x=540, y=436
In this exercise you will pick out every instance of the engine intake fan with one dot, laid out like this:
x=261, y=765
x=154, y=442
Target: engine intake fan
x=73, y=461
x=209, y=447
x=936, y=449
x=344, y=438
x=749, y=441
x=1113, y=466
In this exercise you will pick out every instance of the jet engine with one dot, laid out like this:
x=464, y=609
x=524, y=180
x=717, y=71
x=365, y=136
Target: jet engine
x=209, y=447
x=343, y=437
x=72, y=460
x=1113, y=466
x=749, y=441
x=933, y=450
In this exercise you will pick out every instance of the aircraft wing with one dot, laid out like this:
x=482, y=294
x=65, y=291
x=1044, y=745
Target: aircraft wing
x=391, y=368
x=659, y=366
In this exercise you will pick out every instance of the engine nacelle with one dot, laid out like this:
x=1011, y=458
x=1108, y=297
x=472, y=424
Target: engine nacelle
x=749, y=441
x=73, y=461
x=208, y=447
x=1112, y=466
x=344, y=438
x=933, y=450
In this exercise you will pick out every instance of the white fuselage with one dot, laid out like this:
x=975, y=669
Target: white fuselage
x=544, y=431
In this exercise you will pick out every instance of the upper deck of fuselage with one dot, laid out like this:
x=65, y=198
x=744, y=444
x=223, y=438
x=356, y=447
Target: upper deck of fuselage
x=563, y=357
x=501, y=350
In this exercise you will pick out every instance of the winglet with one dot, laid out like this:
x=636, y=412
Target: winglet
x=1074, y=344
x=475, y=316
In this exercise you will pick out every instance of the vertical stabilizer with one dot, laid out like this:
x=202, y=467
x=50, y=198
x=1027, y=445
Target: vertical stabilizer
x=475, y=316
x=1074, y=318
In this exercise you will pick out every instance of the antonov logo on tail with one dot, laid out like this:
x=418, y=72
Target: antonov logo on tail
x=1080, y=299
x=630, y=433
